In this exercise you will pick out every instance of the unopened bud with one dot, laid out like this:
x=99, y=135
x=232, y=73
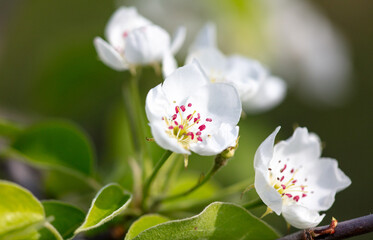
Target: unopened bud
x=229, y=152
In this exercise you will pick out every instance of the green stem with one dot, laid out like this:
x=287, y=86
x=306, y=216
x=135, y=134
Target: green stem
x=148, y=182
x=135, y=112
x=141, y=128
x=219, y=162
x=220, y=195
x=253, y=204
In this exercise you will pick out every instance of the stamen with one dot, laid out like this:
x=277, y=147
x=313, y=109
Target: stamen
x=202, y=127
x=283, y=169
x=189, y=104
x=296, y=198
x=282, y=178
x=182, y=107
x=208, y=120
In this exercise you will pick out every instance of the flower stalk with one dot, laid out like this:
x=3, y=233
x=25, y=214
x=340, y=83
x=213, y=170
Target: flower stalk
x=150, y=180
x=219, y=162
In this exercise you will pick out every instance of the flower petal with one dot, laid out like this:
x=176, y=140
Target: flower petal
x=124, y=20
x=109, y=55
x=270, y=93
x=157, y=104
x=184, y=81
x=209, y=101
x=245, y=74
x=178, y=39
x=146, y=45
x=264, y=154
x=218, y=142
x=301, y=217
x=265, y=190
x=164, y=140
x=213, y=62
x=206, y=37
x=325, y=180
x=300, y=148
x=169, y=64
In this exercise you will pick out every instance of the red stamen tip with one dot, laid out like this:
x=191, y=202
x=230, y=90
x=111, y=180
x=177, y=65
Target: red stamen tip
x=283, y=169
x=189, y=104
x=202, y=127
x=208, y=120
x=182, y=107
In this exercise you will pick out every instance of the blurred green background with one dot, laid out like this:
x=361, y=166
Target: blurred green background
x=49, y=69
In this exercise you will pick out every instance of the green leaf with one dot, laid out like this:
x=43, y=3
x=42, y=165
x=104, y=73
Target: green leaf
x=49, y=233
x=58, y=145
x=216, y=221
x=66, y=218
x=144, y=223
x=110, y=201
x=19, y=209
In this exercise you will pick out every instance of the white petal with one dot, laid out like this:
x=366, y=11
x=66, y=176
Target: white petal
x=245, y=74
x=164, y=140
x=264, y=154
x=156, y=104
x=212, y=61
x=169, y=64
x=184, y=81
x=109, y=55
x=325, y=180
x=300, y=148
x=270, y=93
x=206, y=38
x=178, y=39
x=262, y=158
x=301, y=217
x=124, y=20
x=267, y=192
x=218, y=142
x=219, y=101
x=146, y=45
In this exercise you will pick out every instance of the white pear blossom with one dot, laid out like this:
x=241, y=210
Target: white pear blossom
x=291, y=178
x=134, y=40
x=258, y=89
x=189, y=113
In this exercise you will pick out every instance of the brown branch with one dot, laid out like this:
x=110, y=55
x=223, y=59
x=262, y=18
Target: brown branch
x=346, y=229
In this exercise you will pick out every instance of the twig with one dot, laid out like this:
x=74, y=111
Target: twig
x=346, y=229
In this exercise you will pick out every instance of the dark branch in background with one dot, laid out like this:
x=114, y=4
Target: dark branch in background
x=346, y=229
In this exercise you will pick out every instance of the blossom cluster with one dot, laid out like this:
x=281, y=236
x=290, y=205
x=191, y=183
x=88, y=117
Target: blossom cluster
x=198, y=106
